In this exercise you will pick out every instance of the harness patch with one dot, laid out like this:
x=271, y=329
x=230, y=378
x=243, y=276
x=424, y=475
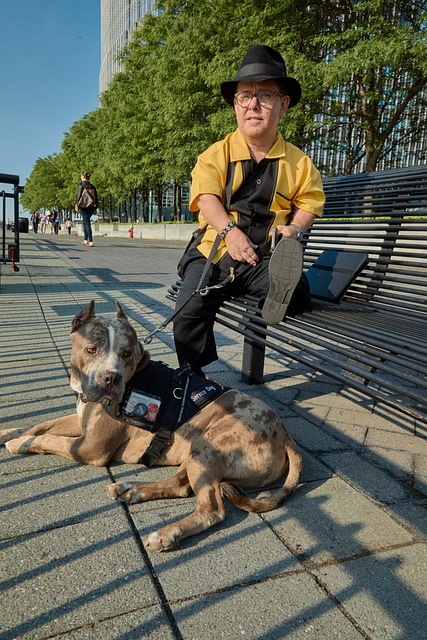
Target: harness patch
x=203, y=396
x=139, y=405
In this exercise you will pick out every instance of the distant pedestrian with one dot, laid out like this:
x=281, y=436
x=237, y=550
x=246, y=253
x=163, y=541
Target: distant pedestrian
x=87, y=203
x=51, y=218
x=57, y=222
x=42, y=225
x=35, y=221
x=68, y=224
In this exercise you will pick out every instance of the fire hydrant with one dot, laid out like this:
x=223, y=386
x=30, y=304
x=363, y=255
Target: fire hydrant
x=130, y=230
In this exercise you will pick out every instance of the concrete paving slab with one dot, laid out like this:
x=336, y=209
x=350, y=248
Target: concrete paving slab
x=139, y=473
x=311, y=437
x=22, y=352
x=60, y=580
x=412, y=514
x=20, y=310
x=397, y=441
x=359, y=472
x=52, y=498
x=149, y=623
x=387, y=418
x=353, y=436
x=312, y=469
x=34, y=366
x=292, y=607
x=329, y=521
x=11, y=464
x=363, y=418
x=25, y=413
x=218, y=558
x=420, y=473
x=400, y=464
x=315, y=414
x=51, y=380
x=386, y=593
x=329, y=393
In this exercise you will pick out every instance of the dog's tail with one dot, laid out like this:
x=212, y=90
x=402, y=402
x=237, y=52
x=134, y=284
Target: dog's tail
x=275, y=498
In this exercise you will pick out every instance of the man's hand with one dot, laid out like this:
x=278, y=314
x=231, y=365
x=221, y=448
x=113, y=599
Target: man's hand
x=301, y=218
x=240, y=247
x=286, y=231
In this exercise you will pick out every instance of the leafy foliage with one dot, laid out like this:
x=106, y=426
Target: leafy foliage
x=362, y=65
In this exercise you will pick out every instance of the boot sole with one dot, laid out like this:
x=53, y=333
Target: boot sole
x=285, y=270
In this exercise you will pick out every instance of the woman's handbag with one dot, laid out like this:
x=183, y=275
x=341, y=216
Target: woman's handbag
x=87, y=199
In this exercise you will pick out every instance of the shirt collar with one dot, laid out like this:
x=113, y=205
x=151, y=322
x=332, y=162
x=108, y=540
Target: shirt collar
x=239, y=150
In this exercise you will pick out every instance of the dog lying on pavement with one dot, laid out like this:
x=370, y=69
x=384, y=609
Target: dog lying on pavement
x=232, y=441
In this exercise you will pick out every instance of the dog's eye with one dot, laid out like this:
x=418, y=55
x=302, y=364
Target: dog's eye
x=127, y=353
x=91, y=350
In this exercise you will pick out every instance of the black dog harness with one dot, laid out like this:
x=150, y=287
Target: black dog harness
x=160, y=399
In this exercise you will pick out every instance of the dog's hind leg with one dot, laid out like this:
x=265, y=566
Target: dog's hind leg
x=209, y=510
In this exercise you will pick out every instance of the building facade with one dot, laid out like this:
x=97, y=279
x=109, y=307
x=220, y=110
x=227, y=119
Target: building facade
x=119, y=18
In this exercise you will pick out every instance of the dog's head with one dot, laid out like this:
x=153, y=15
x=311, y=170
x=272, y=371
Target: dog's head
x=105, y=354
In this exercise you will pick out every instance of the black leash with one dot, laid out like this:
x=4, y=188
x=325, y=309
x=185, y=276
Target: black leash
x=203, y=291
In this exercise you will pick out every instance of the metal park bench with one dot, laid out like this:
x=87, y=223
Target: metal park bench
x=366, y=260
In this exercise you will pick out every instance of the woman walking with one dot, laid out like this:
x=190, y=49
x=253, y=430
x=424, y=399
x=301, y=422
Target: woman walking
x=87, y=203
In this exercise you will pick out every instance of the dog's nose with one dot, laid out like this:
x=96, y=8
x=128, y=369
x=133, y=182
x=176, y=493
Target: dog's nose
x=110, y=378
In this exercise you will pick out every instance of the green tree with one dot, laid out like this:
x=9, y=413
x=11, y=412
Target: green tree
x=375, y=75
x=44, y=185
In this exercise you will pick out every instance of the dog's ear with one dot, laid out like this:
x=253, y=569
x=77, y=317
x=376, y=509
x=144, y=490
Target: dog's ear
x=83, y=317
x=120, y=312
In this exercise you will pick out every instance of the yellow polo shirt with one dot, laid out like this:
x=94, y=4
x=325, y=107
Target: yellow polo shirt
x=298, y=182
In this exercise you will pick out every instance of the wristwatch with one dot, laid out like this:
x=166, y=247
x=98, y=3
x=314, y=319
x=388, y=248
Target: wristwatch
x=298, y=229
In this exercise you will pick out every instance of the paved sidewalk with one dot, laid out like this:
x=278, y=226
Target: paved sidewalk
x=344, y=558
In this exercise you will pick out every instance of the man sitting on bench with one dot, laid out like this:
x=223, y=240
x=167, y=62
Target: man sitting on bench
x=245, y=186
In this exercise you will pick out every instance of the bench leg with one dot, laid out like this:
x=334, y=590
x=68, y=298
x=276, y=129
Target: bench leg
x=253, y=362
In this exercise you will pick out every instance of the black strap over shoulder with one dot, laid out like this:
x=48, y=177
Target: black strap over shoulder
x=229, y=185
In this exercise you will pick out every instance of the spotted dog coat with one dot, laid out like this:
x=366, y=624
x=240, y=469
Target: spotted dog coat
x=234, y=442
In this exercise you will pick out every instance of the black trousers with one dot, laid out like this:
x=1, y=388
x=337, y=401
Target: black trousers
x=193, y=325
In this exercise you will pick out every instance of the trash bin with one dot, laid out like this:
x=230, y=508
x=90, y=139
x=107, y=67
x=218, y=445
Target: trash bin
x=24, y=224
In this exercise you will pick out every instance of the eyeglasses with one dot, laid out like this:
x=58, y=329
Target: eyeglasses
x=265, y=98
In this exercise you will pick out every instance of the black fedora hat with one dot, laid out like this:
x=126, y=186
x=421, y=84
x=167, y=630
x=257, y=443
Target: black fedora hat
x=261, y=62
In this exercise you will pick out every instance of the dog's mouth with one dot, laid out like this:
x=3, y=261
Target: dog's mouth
x=102, y=396
x=111, y=397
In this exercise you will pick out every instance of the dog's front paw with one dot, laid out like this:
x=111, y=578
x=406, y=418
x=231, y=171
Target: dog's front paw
x=20, y=445
x=161, y=541
x=124, y=491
